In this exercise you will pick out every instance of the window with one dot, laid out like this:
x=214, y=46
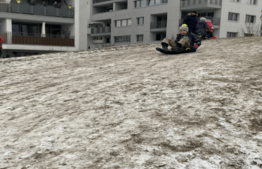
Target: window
x=231, y=34
x=97, y=38
x=118, y=23
x=250, y=18
x=129, y=21
x=160, y=36
x=119, y=39
x=140, y=21
x=140, y=38
x=140, y=3
x=151, y=2
x=235, y=0
x=233, y=16
x=252, y=2
x=124, y=22
x=144, y=3
x=156, y=2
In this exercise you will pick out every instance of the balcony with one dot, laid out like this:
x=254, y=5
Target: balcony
x=98, y=2
x=36, y=39
x=158, y=26
x=38, y=9
x=189, y=5
x=215, y=21
x=4, y=36
x=101, y=31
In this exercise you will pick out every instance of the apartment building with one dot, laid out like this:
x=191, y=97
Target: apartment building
x=120, y=22
x=31, y=27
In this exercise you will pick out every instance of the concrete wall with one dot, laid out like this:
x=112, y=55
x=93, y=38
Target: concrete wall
x=242, y=8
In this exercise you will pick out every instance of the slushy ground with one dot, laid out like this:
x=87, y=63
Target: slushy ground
x=132, y=107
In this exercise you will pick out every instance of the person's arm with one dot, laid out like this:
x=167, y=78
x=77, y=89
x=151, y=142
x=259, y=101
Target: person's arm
x=205, y=25
x=185, y=20
x=196, y=21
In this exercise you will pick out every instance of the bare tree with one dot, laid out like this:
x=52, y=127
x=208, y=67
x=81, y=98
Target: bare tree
x=250, y=29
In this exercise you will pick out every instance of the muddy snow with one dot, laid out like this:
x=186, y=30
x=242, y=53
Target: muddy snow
x=131, y=107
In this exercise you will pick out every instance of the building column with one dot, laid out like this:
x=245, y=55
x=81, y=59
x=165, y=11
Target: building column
x=9, y=30
x=82, y=18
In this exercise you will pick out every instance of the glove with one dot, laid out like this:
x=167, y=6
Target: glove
x=194, y=48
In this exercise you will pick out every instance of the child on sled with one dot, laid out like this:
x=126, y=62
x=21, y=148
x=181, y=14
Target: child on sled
x=185, y=42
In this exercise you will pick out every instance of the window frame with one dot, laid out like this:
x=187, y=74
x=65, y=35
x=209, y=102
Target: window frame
x=138, y=20
x=233, y=13
x=138, y=38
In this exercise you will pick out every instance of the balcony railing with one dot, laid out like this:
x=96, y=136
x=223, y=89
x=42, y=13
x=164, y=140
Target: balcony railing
x=100, y=30
x=38, y=9
x=158, y=24
x=4, y=36
x=200, y=2
x=38, y=39
x=98, y=1
x=214, y=20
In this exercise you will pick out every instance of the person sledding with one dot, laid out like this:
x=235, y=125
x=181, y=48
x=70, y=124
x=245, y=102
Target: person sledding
x=210, y=30
x=184, y=43
x=201, y=28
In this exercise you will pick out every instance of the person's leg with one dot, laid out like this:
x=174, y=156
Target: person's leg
x=0, y=53
x=194, y=30
x=190, y=29
x=167, y=42
x=182, y=45
x=208, y=34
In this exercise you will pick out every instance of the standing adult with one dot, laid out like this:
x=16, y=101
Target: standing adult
x=201, y=28
x=1, y=42
x=191, y=21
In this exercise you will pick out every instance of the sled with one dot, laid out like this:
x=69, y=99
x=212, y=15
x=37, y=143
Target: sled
x=169, y=52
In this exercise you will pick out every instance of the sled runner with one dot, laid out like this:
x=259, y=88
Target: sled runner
x=172, y=52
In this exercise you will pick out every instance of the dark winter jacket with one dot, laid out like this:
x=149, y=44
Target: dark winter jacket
x=201, y=28
x=192, y=38
x=190, y=20
x=1, y=41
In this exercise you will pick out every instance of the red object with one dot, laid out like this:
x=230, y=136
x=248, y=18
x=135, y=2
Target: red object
x=214, y=37
x=196, y=46
x=1, y=41
x=209, y=25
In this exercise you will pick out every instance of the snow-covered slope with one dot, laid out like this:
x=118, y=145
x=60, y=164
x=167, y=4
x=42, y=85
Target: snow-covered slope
x=134, y=108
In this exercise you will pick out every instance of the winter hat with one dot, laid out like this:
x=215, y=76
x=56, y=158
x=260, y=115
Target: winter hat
x=203, y=19
x=194, y=12
x=184, y=28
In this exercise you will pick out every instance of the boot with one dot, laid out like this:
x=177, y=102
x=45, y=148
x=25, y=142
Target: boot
x=164, y=46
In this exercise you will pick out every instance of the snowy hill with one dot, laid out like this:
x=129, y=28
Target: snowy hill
x=134, y=108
